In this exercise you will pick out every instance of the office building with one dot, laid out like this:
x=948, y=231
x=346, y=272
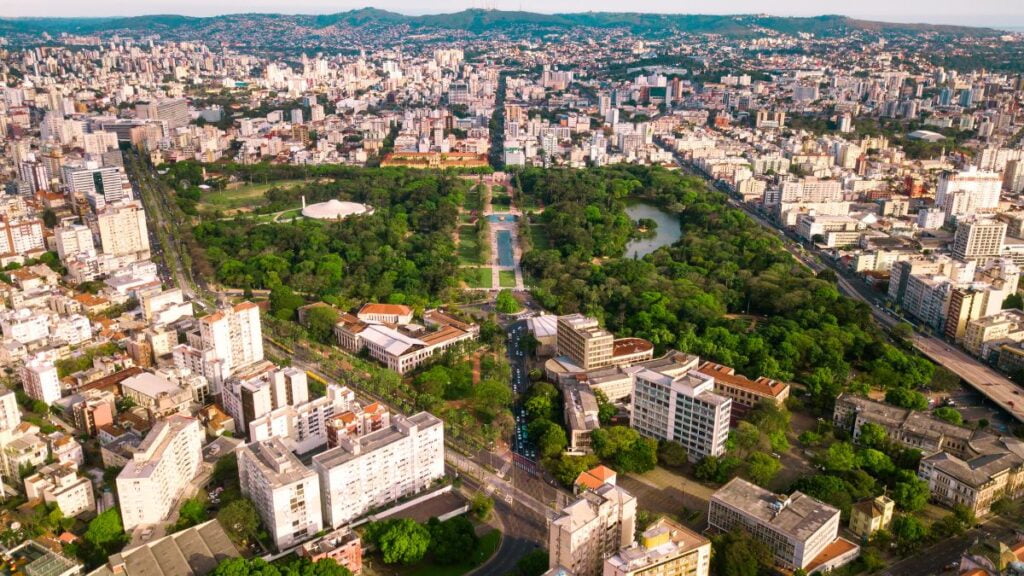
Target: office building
x=801, y=532
x=591, y=529
x=666, y=548
x=123, y=230
x=682, y=408
x=160, y=469
x=979, y=239
x=744, y=392
x=584, y=341
x=379, y=468
x=581, y=416
x=39, y=378
x=286, y=493
x=60, y=484
x=402, y=347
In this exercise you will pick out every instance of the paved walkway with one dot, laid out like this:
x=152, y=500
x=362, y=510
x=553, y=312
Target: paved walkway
x=513, y=228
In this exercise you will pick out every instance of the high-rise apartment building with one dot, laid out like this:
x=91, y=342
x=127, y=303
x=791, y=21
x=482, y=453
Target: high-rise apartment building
x=979, y=239
x=10, y=415
x=123, y=230
x=684, y=408
x=380, y=467
x=253, y=393
x=235, y=335
x=73, y=240
x=666, y=548
x=970, y=192
x=39, y=377
x=591, y=529
x=21, y=237
x=286, y=493
x=162, y=465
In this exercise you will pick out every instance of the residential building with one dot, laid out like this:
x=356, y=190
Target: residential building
x=983, y=335
x=969, y=192
x=380, y=467
x=306, y=426
x=261, y=388
x=160, y=469
x=342, y=545
x=871, y=515
x=797, y=528
x=73, y=240
x=993, y=470
x=10, y=415
x=60, y=484
x=591, y=529
x=39, y=378
x=123, y=230
x=286, y=493
x=666, y=548
x=158, y=395
x=228, y=340
x=172, y=111
x=682, y=408
x=979, y=239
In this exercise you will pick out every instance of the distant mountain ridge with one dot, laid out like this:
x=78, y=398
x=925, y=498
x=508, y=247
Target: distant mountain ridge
x=479, y=21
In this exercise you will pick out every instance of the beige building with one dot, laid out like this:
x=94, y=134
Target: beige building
x=286, y=493
x=123, y=230
x=910, y=428
x=584, y=341
x=590, y=529
x=162, y=466
x=801, y=532
x=666, y=548
x=976, y=482
x=870, y=516
x=60, y=484
x=986, y=334
x=979, y=239
x=743, y=391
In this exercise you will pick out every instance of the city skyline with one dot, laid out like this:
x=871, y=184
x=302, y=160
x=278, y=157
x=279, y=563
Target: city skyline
x=985, y=13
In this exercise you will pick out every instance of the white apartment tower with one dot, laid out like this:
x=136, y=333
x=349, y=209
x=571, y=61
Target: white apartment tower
x=964, y=193
x=39, y=377
x=286, y=493
x=683, y=408
x=380, y=467
x=161, y=467
x=979, y=239
x=234, y=334
x=73, y=240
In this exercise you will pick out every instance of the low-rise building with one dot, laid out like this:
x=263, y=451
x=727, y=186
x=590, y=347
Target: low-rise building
x=798, y=529
x=60, y=484
x=400, y=347
x=910, y=428
x=342, y=545
x=996, y=471
x=666, y=548
x=581, y=416
x=870, y=516
x=744, y=392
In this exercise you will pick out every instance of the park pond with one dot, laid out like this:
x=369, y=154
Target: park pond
x=667, y=232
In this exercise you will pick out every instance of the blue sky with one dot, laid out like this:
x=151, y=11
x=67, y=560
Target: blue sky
x=976, y=12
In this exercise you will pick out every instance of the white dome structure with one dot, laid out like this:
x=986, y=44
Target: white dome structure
x=334, y=210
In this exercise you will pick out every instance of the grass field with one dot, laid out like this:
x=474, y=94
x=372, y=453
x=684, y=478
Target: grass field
x=499, y=201
x=245, y=196
x=507, y=279
x=469, y=247
x=476, y=277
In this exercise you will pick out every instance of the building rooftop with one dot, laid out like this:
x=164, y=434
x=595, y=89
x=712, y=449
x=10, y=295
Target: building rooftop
x=996, y=456
x=663, y=540
x=276, y=462
x=798, y=515
x=195, y=551
x=150, y=384
x=726, y=375
x=352, y=448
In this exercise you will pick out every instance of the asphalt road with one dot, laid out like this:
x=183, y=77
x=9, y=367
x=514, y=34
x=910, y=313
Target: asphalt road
x=935, y=559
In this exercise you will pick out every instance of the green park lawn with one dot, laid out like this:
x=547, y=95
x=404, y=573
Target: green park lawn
x=507, y=279
x=245, y=196
x=476, y=277
x=469, y=247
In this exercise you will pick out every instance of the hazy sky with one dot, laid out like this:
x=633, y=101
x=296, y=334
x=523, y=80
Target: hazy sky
x=974, y=12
